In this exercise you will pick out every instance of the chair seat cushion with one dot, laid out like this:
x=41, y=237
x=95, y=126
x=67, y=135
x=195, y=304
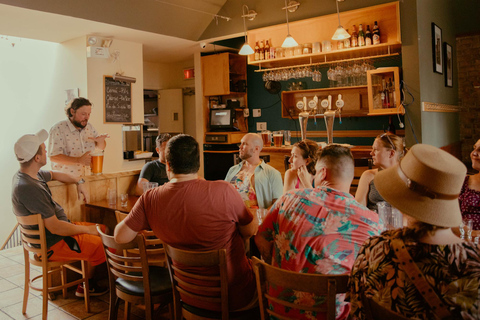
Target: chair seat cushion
x=159, y=283
x=246, y=314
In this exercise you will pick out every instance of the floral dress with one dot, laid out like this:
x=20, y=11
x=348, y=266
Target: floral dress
x=470, y=204
x=316, y=231
x=242, y=182
x=453, y=271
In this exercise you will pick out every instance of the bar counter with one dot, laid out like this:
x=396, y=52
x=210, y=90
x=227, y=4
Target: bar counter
x=97, y=186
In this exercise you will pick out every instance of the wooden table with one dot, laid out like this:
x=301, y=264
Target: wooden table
x=101, y=212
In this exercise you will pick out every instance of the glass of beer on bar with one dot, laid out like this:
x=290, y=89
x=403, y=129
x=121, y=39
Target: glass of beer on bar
x=97, y=162
x=277, y=138
x=267, y=138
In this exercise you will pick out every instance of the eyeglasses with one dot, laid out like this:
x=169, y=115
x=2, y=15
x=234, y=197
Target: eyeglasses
x=389, y=140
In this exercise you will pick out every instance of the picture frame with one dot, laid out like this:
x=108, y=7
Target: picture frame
x=437, y=49
x=448, y=62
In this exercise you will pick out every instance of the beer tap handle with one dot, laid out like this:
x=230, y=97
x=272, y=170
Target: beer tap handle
x=340, y=105
x=329, y=102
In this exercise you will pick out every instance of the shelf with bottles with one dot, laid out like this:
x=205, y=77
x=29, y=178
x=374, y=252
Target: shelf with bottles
x=355, y=100
x=320, y=29
x=384, y=91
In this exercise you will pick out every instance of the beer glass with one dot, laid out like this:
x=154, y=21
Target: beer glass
x=267, y=138
x=112, y=196
x=287, y=137
x=391, y=217
x=97, y=162
x=277, y=138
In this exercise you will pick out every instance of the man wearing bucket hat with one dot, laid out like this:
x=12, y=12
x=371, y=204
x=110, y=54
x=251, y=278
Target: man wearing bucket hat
x=31, y=195
x=422, y=271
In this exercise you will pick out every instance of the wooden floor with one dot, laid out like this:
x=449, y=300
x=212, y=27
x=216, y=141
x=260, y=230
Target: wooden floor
x=11, y=296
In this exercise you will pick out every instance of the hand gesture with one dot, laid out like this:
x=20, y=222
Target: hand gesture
x=305, y=177
x=85, y=159
x=83, y=193
x=100, y=138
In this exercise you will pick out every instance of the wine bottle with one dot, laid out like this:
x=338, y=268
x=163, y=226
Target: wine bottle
x=385, y=103
x=376, y=34
x=262, y=51
x=361, y=36
x=354, y=41
x=368, y=36
x=267, y=51
x=391, y=94
x=257, y=52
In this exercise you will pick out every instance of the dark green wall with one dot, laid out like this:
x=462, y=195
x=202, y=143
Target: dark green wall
x=270, y=104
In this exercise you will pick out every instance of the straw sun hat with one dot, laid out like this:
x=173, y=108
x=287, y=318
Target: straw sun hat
x=425, y=185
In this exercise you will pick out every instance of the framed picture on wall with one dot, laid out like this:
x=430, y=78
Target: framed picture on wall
x=448, y=55
x=437, y=48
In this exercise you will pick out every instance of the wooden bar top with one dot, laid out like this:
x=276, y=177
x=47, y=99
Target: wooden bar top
x=357, y=151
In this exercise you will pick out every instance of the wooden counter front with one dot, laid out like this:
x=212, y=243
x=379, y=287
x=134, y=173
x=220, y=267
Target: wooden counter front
x=66, y=194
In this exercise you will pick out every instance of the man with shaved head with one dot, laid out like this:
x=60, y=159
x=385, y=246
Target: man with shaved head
x=258, y=183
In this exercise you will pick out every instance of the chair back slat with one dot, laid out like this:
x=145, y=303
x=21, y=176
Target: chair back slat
x=33, y=237
x=320, y=285
x=186, y=282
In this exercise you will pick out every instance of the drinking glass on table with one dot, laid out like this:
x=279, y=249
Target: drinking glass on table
x=466, y=228
x=124, y=199
x=112, y=196
x=149, y=185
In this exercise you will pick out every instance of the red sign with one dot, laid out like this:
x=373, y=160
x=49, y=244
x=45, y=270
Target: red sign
x=188, y=74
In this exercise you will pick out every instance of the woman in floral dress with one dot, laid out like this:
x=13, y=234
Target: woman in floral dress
x=470, y=195
x=424, y=186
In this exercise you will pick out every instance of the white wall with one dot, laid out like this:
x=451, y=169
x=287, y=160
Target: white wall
x=33, y=77
x=130, y=62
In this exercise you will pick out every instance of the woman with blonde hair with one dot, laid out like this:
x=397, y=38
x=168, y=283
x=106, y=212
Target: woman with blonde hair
x=423, y=271
x=387, y=151
x=302, y=170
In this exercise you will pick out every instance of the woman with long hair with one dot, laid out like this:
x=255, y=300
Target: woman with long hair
x=302, y=166
x=470, y=195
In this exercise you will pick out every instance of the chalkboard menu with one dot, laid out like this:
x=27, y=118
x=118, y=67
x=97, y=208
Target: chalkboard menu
x=118, y=101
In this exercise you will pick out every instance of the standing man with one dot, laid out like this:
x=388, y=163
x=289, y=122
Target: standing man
x=154, y=171
x=72, y=140
x=258, y=183
x=31, y=195
x=318, y=230
x=194, y=214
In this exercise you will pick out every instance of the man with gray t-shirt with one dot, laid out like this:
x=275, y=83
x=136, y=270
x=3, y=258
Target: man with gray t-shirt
x=31, y=195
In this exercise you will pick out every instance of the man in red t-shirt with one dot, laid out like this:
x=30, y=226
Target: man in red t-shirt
x=194, y=214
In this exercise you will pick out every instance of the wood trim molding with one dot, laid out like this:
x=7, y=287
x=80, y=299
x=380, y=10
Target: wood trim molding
x=439, y=107
x=345, y=133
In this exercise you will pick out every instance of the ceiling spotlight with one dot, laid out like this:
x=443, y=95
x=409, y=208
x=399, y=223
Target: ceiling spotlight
x=92, y=40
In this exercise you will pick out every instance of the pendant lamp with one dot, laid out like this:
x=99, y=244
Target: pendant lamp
x=250, y=14
x=289, y=41
x=340, y=33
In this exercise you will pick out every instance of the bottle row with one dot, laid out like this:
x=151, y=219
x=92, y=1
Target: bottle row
x=385, y=96
x=264, y=49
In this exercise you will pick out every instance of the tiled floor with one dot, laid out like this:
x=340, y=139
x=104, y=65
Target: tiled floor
x=11, y=296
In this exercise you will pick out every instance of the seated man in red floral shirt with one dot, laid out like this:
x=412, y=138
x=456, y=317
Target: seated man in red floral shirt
x=317, y=230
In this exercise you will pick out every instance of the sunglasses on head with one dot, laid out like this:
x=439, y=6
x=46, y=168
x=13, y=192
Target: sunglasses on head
x=389, y=140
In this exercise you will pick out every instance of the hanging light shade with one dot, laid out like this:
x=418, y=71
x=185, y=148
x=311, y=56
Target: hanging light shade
x=289, y=41
x=245, y=50
x=340, y=33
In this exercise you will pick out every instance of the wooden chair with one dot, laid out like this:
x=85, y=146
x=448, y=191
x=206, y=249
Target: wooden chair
x=185, y=283
x=132, y=279
x=375, y=311
x=35, y=250
x=321, y=285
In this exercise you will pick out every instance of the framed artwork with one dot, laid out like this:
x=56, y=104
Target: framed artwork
x=437, y=48
x=448, y=55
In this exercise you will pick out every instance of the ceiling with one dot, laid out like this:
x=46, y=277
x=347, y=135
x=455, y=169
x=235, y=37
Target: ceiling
x=170, y=36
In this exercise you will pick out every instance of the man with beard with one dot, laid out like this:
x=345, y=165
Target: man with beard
x=258, y=183
x=72, y=140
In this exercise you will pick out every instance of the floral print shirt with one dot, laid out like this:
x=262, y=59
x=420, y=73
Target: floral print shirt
x=453, y=271
x=316, y=231
x=242, y=182
x=470, y=204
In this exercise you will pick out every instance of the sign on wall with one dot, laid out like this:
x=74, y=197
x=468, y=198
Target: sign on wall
x=117, y=100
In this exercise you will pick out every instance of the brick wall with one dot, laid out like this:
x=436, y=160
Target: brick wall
x=468, y=60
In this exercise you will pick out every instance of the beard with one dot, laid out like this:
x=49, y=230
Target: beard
x=78, y=124
x=245, y=155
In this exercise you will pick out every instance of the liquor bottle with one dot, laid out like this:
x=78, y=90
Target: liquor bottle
x=368, y=36
x=354, y=41
x=361, y=36
x=340, y=45
x=391, y=94
x=376, y=34
x=391, y=126
x=346, y=42
x=262, y=51
x=267, y=51
x=385, y=103
x=257, y=52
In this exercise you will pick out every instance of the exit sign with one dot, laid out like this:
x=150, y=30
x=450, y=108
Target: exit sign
x=188, y=74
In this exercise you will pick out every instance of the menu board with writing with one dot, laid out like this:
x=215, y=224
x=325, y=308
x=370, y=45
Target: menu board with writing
x=118, y=101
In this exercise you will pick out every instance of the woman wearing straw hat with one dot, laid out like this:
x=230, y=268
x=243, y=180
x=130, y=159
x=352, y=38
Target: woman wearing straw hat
x=470, y=195
x=387, y=150
x=302, y=171
x=422, y=271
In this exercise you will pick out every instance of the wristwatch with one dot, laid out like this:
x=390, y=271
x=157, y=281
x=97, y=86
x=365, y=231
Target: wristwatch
x=81, y=181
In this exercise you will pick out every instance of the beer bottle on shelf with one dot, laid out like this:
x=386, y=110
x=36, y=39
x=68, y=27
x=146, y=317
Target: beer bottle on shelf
x=361, y=36
x=262, y=51
x=346, y=42
x=385, y=103
x=368, y=36
x=391, y=94
x=376, y=34
x=354, y=37
x=267, y=51
x=257, y=52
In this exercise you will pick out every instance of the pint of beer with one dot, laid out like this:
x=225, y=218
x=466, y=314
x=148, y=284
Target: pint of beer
x=267, y=138
x=97, y=162
x=277, y=138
